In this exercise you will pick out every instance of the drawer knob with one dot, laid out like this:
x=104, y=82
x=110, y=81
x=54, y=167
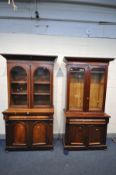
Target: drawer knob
x=27, y=113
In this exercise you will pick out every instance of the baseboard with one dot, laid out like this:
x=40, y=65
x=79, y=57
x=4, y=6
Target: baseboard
x=111, y=135
x=2, y=136
x=58, y=136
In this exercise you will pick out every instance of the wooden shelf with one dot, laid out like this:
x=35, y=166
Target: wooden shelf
x=18, y=82
x=18, y=93
x=42, y=106
x=97, y=72
x=42, y=82
x=41, y=93
x=19, y=106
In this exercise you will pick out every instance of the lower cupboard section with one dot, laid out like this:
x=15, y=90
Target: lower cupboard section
x=85, y=134
x=29, y=134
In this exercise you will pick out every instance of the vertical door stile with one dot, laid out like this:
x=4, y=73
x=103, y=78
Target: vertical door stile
x=87, y=88
x=51, y=87
x=30, y=86
x=68, y=84
x=105, y=86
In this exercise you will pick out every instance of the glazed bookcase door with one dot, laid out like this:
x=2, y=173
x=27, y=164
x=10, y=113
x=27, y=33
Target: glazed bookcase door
x=97, y=88
x=41, y=86
x=19, y=86
x=76, y=88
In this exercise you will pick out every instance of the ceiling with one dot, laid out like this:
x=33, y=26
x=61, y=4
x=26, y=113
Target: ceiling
x=107, y=3
x=80, y=18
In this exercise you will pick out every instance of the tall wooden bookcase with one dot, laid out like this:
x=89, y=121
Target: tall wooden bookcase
x=29, y=117
x=86, y=121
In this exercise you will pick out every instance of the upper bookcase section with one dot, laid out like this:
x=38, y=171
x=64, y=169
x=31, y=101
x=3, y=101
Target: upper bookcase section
x=86, y=83
x=30, y=81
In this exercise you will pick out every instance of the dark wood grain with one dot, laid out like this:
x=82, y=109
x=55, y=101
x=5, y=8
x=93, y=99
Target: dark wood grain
x=86, y=129
x=28, y=126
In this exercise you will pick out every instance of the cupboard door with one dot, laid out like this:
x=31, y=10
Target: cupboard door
x=41, y=133
x=19, y=85
x=76, y=88
x=97, y=88
x=75, y=135
x=16, y=134
x=97, y=135
x=42, y=86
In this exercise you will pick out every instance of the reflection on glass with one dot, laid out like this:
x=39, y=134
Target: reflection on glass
x=42, y=74
x=76, y=89
x=42, y=86
x=18, y=86
x=20, y=100
x=97, y=89
x=18, y=74
x=42, y=100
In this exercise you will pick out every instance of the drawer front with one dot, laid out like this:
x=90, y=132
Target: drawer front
x=27, y=118
x=86, y=121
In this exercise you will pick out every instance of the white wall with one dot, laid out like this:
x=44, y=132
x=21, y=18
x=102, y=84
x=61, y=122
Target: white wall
x=59, y=19
x=61, y=46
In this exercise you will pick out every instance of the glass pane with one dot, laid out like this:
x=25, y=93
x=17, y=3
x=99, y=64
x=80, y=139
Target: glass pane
x=76, y=89
x=19, y=100
x=18, y=74
x=42, y=86
x=97, y=89
x=41, y=99
x=18, y=86
x=42, y=74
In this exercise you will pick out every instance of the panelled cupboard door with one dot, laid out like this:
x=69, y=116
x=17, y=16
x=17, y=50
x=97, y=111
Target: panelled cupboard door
x=18, y=85
x=86, y=87
x=96, y=135
x=41, y=85
x=29, y=134
x=85, y=135
x=17, y=133
x=41, y=133
x=75, y=135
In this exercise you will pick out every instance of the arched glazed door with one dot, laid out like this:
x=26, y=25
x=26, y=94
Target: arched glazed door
x=19, y=86
x=41, y=87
